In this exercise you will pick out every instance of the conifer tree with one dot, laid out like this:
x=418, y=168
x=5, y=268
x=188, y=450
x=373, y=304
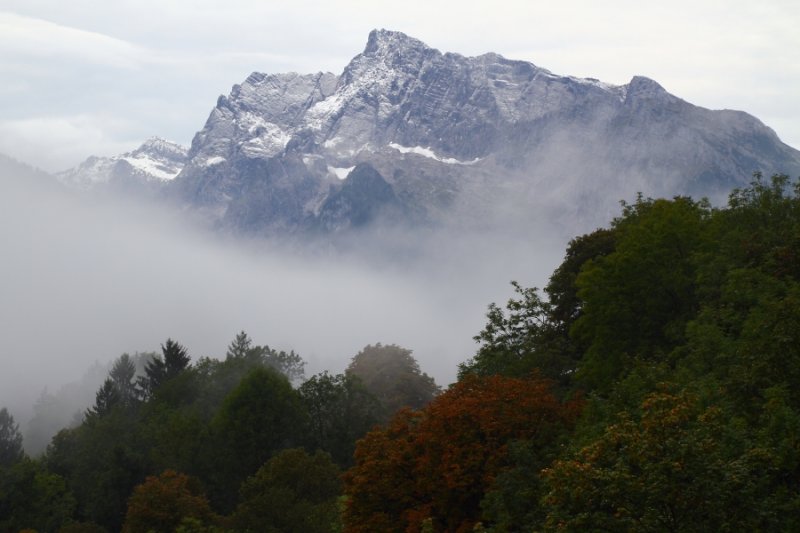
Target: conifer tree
x=10, y=440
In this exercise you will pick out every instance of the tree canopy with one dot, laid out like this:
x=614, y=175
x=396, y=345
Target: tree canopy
x=392, y=374
x=10, y=440
x=436, y=465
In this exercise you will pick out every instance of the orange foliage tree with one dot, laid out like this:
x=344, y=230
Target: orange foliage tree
x=162, y=502
x=433, y=467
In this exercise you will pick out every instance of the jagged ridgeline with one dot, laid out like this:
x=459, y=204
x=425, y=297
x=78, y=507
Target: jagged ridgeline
x=409, y=134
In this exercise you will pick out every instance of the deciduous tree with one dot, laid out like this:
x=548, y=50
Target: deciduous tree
x=669, y=470
x=261, y=416
x=162, y=502
x=391, y=374
x=340, y=411
x=294, y=492
x=33, y=498
x=637, y=300
x=438, y=464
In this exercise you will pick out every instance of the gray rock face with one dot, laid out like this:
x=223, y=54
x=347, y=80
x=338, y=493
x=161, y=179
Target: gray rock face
x=364, y=198
x=456, y=140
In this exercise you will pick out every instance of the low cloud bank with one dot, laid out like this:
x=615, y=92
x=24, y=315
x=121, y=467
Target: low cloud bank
x=86, y=278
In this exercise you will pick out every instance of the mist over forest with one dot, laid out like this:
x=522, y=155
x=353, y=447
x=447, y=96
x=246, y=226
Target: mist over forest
x=88, y=277
x=650, y=384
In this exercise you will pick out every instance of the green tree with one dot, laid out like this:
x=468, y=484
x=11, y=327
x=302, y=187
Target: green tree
x=391, y=374
x=340, y=411
x=33, y=498
x=532, y=333
x=106, y=399
x=294, y=492
x=261, y=416
x=289, y=363
x=123, y=374
x=519, y=339
x=561, y=289
x=102, y=460
x=159, y=370
x=239, y=347
x=637, y=300
x=10, y=440
x=748, y=275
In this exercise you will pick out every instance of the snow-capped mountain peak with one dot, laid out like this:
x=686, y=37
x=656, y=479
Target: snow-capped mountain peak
x=156, y=160
x=441, y=137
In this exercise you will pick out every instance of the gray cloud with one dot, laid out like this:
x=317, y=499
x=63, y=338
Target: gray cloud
x=86, y=278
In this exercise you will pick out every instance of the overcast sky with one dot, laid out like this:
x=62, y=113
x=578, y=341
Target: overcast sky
x=98, y=77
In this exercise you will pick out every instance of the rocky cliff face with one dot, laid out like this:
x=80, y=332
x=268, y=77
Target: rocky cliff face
x=412, y=135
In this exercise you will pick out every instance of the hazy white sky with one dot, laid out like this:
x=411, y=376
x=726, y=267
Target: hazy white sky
x=98, y=77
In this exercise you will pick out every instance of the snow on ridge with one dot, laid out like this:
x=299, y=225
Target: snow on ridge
x=367, y=75
x=430, y=154
x=93, y=171
x=619, y=90
x=266, y=138
x=152, y=167
x=164, y=146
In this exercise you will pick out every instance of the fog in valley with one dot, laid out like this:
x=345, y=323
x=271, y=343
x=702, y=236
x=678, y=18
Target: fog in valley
x=87, y=277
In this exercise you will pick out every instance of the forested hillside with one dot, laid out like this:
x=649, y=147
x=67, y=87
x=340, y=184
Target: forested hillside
x=652, y=385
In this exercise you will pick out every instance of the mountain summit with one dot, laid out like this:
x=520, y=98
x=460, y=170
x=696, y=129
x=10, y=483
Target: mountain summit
x=440, y=138
x=150, y=165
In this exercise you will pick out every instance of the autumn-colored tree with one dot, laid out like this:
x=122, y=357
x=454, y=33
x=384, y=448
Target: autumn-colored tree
x=381, y=488
x=677, y=468
x=436, y=465
x=162, y=502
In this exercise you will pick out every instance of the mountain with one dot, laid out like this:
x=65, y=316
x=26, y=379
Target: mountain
x=22, y=184
x=13, y=170
x=409, y=135
x=146, y=168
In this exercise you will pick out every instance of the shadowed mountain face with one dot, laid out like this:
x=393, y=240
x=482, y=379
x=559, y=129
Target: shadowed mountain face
x=443, y=139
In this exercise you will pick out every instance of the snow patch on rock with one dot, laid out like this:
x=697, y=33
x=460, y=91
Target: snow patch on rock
x=211, y=161
x=430, y=154
x=341, y=172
